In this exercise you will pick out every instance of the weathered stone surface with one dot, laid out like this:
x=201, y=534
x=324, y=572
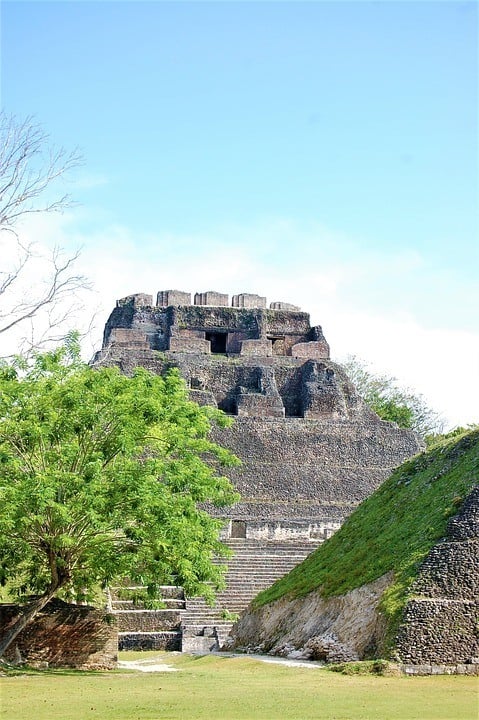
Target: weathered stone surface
x=258, y=405
x=128, y=337
x=441, y=620
x=257, y=348
x=312, y=470
x=278, y=305
x=248, y=300
x=311, y=448
x=147, y=620
x=161, y=640
x=64, y=635
x=211, y=297
x=439, y=632
x=313, y=349
x=189, y=345
x=165, y=298
x=138, y=300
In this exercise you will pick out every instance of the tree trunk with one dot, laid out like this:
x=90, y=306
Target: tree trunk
x=25, y=618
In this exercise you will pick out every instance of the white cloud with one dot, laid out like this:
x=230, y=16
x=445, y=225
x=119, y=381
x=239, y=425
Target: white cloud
x=363, y=300
x=440, y=363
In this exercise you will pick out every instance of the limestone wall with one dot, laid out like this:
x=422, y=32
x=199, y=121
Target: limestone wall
x=148, y=620
x=66, y=635
x=248, y=320
x=441, y=621
x=313, y=470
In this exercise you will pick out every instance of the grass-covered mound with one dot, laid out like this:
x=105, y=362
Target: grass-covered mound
x=392, y=531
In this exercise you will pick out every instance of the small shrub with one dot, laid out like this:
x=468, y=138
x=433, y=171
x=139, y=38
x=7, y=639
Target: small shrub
x=366, y=667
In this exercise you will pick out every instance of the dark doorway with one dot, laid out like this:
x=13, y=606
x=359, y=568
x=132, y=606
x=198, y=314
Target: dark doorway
x=238, y=529
x=277, y=344
x=218, y=342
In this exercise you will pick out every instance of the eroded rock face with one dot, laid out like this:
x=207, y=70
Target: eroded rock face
x=339, y=629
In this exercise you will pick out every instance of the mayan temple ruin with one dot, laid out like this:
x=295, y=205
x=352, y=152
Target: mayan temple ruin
x=311, y=448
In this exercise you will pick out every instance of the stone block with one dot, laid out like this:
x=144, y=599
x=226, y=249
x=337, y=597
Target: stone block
x=257, y=405
x=314, y=350
x=203, y=397
x=283, y=306
x=147, y=620
x=189, y=345
x=130, y=338
x=199, y=639
x=165, y=298
x=233, y=345
x=138, y=300
x=257, y=348
x=248, y=300
x=165, y=640
x=211, y=297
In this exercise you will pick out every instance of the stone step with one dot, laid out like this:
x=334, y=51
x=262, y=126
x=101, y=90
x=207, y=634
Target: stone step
x=124, y=605
x=259, y=548
x=204, y=637
x=164, y=640
x=250, y=577
x=168, y=592
x=264, y=562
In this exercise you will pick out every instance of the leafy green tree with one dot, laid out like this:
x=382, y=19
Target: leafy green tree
x=102, y=478
x=392, y=402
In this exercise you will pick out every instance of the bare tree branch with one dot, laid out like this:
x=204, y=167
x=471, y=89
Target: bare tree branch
x=39, y=292
x=28, y=167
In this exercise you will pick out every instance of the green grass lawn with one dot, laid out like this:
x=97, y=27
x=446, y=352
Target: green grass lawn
x=233, y=688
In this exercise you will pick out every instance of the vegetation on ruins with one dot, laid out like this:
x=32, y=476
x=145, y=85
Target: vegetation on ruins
x=101, y=477
x=391, y=531
x=392, y=402
x=30, y=171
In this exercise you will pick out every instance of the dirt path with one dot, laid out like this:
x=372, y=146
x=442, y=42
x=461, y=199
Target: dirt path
x=153, y=664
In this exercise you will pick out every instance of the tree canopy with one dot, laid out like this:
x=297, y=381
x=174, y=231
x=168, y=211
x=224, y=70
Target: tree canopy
x=392, y=402
x=101, y=479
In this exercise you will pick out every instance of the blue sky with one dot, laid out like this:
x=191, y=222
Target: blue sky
x=324, y=153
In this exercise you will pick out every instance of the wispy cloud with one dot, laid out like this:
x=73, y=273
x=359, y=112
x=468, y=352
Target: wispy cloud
x=88, y=181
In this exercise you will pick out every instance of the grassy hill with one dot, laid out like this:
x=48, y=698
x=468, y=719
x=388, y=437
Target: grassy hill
x=391, y=531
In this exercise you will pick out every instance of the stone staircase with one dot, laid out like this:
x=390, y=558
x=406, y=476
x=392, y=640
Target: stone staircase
x=142, y=629
x=254, y=566
x=190, y=624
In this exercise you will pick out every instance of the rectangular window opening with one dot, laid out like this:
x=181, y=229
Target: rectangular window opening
x=217, y=341
x=277, y=342
x=238, y=529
